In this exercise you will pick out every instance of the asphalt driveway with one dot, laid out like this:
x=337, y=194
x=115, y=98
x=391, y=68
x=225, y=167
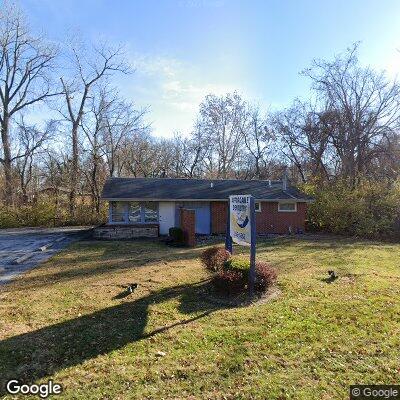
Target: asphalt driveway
x=22, y=249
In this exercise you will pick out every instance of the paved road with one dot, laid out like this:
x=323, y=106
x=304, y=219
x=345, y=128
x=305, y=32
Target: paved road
x=22, y=249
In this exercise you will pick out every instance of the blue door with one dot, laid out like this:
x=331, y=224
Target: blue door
x=203, y=216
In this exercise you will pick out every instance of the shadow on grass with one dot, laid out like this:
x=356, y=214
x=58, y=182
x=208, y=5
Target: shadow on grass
x=329, y=279
x=43, y=352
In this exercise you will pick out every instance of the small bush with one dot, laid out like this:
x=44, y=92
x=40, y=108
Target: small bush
x=214, y=258
x=229, y=282
x=176, y=234
x=238, y=264
x=265, y=273
x=265, y=276
x=231, y=274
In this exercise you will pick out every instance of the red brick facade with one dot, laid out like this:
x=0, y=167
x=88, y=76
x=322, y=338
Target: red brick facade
x=269, y=220
x=219, y=214
x=188, y=224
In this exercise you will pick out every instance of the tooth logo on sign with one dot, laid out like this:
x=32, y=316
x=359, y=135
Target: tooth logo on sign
x=244, y=223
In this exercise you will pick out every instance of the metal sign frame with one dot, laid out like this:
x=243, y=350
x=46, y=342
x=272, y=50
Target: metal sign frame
x=253, y=232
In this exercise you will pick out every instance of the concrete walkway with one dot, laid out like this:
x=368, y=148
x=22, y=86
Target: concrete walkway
x=22, y=249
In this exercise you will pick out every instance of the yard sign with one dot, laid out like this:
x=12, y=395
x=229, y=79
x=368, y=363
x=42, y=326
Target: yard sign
x=240, y=215
x=242, y=229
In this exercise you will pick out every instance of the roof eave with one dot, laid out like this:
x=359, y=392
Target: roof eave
x=299, y=200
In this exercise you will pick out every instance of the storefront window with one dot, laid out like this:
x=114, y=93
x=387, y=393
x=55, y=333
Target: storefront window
x=134, y=214
x=150, y=212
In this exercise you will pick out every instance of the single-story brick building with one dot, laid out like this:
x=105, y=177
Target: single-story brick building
x=149, y=207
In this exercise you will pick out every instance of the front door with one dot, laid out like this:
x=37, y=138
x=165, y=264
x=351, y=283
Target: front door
x=203, y=216
x=166, y=216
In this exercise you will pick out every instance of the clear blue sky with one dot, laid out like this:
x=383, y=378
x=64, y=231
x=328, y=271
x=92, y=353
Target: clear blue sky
x=184, y=49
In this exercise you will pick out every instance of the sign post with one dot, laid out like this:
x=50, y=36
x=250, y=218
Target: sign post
x=252, y=272
x=228, y=237
x=242, y=229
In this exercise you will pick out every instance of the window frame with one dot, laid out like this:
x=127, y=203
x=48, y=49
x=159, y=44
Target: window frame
x=143, y=212
x=125, y=213
x=128, y=213
x=287, y=202
x=122, y=213
x=259, y=206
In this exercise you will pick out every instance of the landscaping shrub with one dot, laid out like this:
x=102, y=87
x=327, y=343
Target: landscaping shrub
x=369, y=209
x=232, y=277
x=176, y=234
x=238, y=264
x=229, y=282
x=214, y=258
x=265, y=273
x=265, y=276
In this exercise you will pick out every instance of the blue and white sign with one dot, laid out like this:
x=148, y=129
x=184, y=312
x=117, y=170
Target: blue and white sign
x=240, y=219
x=241, y=229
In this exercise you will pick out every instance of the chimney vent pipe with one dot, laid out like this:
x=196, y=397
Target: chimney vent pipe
x=285, y=181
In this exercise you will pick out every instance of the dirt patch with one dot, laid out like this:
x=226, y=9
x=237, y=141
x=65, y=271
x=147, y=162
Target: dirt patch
x=348, y=278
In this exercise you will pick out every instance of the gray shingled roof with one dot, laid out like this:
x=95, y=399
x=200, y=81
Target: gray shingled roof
x=195, y=189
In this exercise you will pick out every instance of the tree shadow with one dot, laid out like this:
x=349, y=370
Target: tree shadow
x=35, y=355
x=330, y=279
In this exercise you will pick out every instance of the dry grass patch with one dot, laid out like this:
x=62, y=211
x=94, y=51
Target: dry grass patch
x=68, y=320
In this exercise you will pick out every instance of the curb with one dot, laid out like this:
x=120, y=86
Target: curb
x=45, y=247
x=23, y=258
x=51, y=244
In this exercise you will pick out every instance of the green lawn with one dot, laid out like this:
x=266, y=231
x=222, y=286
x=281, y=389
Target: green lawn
x=68, y=321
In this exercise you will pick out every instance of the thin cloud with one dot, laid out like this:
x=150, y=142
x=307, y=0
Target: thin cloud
x=174, y=90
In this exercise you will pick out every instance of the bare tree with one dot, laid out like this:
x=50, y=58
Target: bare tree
x=287, y=127
x=362, y=107
x=31, y=141
x=221, y=120
x=303, y=133
x=187, y=154
x=26, y=63
x=258, y=139
x=138, y=155
x=92, y=125
x=89, y=68
x=54, y=174
x=122, y=124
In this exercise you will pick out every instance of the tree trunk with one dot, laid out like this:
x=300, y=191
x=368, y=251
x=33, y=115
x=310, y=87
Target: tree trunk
x=74, y=171
x=258, y=171
x=7, y=161
x=95, y=191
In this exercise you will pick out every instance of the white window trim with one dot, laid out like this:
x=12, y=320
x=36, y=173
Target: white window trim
x=110, y=216
x=288, y=211
x=259, y=206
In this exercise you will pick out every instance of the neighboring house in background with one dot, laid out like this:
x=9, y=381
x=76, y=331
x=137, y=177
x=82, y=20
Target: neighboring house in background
x=149, y=207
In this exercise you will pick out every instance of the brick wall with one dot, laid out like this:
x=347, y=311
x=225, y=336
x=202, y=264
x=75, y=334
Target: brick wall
x=188, y=225
x=269, y=220
x=219, y=215
x=114, y=232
